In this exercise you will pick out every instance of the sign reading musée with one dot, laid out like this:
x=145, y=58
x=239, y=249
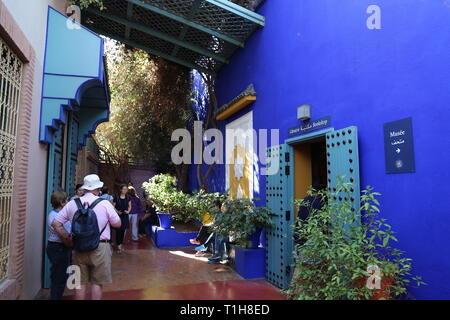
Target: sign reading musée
x=399, y=146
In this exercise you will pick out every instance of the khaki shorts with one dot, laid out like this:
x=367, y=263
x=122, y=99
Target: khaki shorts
x=95, y=266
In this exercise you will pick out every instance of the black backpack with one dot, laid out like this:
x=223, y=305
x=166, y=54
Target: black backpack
x=85, y=233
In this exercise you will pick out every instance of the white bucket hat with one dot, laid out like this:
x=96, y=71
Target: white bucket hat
x=92, y=182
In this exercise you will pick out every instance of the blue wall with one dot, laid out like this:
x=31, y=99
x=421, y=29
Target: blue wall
x=320, y=52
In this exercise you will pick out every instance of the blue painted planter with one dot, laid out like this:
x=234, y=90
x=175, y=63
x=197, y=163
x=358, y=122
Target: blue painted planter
x=165, y=220
x=170, y=238
x=254, y=239
x=250, y=263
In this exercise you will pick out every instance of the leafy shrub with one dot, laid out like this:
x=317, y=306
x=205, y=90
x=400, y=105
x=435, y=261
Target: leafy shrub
x=241, y=218
x=340, y=249
x=167, y=198
x=162, y=188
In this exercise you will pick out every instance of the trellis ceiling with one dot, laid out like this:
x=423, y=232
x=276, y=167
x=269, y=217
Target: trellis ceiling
x=199, y=34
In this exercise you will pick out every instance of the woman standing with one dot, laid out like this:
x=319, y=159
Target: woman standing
x=78, y=192
x=135, y=212
x=57, y=252
x=122, y=203
x=105, y=194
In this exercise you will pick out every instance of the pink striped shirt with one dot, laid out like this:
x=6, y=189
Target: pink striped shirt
x=104, y=210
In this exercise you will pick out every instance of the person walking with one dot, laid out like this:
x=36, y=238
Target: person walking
x=57, y=252
x=135, y=212
x=95, y=265
x=122, y=203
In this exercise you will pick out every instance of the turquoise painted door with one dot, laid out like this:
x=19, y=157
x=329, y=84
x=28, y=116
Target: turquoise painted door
x=54, y=182
x=279, y=197
x=72, y=153
x=343, y=161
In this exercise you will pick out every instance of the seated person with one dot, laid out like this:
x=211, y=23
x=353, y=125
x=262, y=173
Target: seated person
x=149, y=218
x=205, y=234
x=220, y=249
x=205, y=230
x=220, y=245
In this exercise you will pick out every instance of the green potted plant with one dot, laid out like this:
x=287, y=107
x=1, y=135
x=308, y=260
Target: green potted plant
x=347, y=253
x=243, y=220
x=168, y=200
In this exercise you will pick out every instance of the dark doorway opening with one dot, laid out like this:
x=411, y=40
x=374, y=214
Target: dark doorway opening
x=310, y=166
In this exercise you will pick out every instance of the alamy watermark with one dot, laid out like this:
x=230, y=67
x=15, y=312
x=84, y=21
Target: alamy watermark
x=74, y=280
x=207, y=146
x=74, y=17
x=374, y=281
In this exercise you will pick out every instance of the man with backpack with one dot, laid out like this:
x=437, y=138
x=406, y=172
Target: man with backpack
x=90, y=237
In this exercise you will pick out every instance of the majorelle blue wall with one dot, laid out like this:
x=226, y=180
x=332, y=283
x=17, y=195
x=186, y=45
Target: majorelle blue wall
x=321, y=52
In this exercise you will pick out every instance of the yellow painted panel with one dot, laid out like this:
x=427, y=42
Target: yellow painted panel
x=302, y=170
x=240, y=104
x=242, y=182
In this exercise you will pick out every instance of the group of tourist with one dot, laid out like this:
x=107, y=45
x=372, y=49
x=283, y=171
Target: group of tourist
x=119, y=212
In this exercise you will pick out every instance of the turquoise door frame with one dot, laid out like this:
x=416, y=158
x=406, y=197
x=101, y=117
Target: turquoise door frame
x=55, y=171
x=54, y=182
x=342, y=162
x=310, y=136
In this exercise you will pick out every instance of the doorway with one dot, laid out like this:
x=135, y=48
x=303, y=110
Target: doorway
x=325, y=157
x=310, y=165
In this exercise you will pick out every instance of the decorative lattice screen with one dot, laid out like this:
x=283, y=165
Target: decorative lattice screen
x=199, y=34
x=10, y=82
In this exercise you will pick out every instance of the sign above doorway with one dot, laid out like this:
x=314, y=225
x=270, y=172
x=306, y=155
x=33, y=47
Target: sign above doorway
x=399, y=146
x=308, y=126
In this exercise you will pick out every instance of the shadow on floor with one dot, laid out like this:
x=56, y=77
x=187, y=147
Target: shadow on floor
x=144, y=272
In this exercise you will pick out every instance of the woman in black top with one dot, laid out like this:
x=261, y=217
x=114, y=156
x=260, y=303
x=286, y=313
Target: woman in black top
x=122, y=203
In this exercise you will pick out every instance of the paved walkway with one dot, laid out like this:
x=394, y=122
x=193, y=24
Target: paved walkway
x=144, y=272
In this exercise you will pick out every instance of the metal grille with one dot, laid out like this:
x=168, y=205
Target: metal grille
x=10, y=83
x=222, y=20
x=200, y=34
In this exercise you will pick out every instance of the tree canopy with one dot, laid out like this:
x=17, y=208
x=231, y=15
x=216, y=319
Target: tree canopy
x=150, y=98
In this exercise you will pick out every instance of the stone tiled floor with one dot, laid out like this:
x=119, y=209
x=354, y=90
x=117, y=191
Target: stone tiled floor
x=144, y=272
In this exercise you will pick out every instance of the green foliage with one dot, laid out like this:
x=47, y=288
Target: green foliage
x=340, y=249
x=83, y=4
x=167, y=198
x=241, y=218
x=149, y=99
x=200, y=203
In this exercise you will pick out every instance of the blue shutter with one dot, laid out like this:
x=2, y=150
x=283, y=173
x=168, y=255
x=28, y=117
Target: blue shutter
x=343, y=161
x=279, y=197
x=72, y=153
x=58, y=148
